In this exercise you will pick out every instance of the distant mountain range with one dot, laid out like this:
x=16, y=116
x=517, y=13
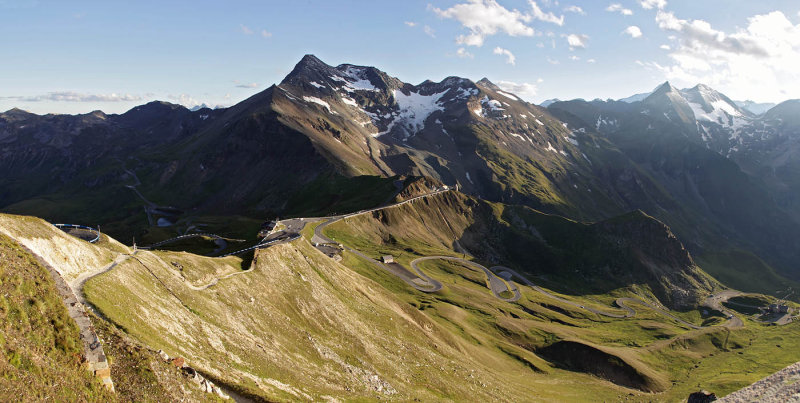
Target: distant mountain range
x=750, y=106
x=725, y=178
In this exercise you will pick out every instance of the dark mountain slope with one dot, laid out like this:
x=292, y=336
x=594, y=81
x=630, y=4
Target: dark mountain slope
x=720, y=205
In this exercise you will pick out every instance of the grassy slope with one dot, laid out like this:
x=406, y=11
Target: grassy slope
x=40, y=346
x=272, y=346
x=320, y=328
x=139, y=373
x=674, y=354
x=69, y=255
x=335, y=193
x=744, y=271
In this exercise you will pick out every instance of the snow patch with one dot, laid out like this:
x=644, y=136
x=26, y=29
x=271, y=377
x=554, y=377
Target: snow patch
x=721, y=113
x=319, y=102
x=354, y=80
x=492, y=104
x=349, y=101
x=316, y=84
x=413, y=110
x=507, y=95
x=466, y=93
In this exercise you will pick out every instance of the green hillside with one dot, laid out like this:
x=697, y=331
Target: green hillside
x=40, y=346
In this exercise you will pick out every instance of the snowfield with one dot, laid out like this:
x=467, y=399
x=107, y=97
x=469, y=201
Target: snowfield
x=413, y=109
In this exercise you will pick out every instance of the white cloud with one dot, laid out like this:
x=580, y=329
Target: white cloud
x=185, y=100
x=485, y=18
x=245, y=29
x=633, y=31
x=510, y=59
x=699, y=34
x=575, y=9
x=591, y=61
x=410, y=24
x=616, y=7
x=266, y=34
x=546, y=17
x=665, y=47
x=245, y=85
x=755, y=62
x=574, y=58
x=429, y=31
x=539, y=80
x=462, y=53
x=576, y=41
x=552, y=61
x=72, y=96
x=649, y=4
x=523, y=90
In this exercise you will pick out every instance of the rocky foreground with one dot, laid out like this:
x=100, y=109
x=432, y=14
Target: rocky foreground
x=782, y=386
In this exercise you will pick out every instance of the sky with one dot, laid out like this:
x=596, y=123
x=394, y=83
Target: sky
x=80, y=56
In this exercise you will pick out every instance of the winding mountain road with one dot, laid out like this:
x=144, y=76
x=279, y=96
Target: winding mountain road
x=495, y=283
x=498, y=286
x=420, y=281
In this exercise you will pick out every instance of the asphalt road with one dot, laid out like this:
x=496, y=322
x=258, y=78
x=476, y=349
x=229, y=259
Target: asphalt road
x=319, y=237
x=629, y=312
x=734, y=322
x=421, y=282
x=715, y=302
x=496, y=284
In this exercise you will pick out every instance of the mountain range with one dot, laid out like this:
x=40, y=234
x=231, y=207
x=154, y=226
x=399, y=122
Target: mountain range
x=725, y=179
x=345, y=235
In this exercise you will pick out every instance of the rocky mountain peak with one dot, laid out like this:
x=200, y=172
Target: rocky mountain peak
x=663, y=89
x=710, y=101
x=488, y=84
x=17, y=114
x=310, y=61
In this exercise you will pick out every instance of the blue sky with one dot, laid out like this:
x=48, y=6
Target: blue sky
x=79, y=56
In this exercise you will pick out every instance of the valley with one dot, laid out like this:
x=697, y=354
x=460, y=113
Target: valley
x=344, y=235
x=217, y=314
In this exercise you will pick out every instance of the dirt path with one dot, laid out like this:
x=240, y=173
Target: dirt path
x=238, y=273
x=80, y=281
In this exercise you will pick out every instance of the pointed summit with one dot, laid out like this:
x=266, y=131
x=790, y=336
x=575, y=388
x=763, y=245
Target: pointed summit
x=668, y=101
x=311, y=60
x=712, y=105
x=664, y=88
x=18, y=113
x=488, y=84
x=309, y=68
